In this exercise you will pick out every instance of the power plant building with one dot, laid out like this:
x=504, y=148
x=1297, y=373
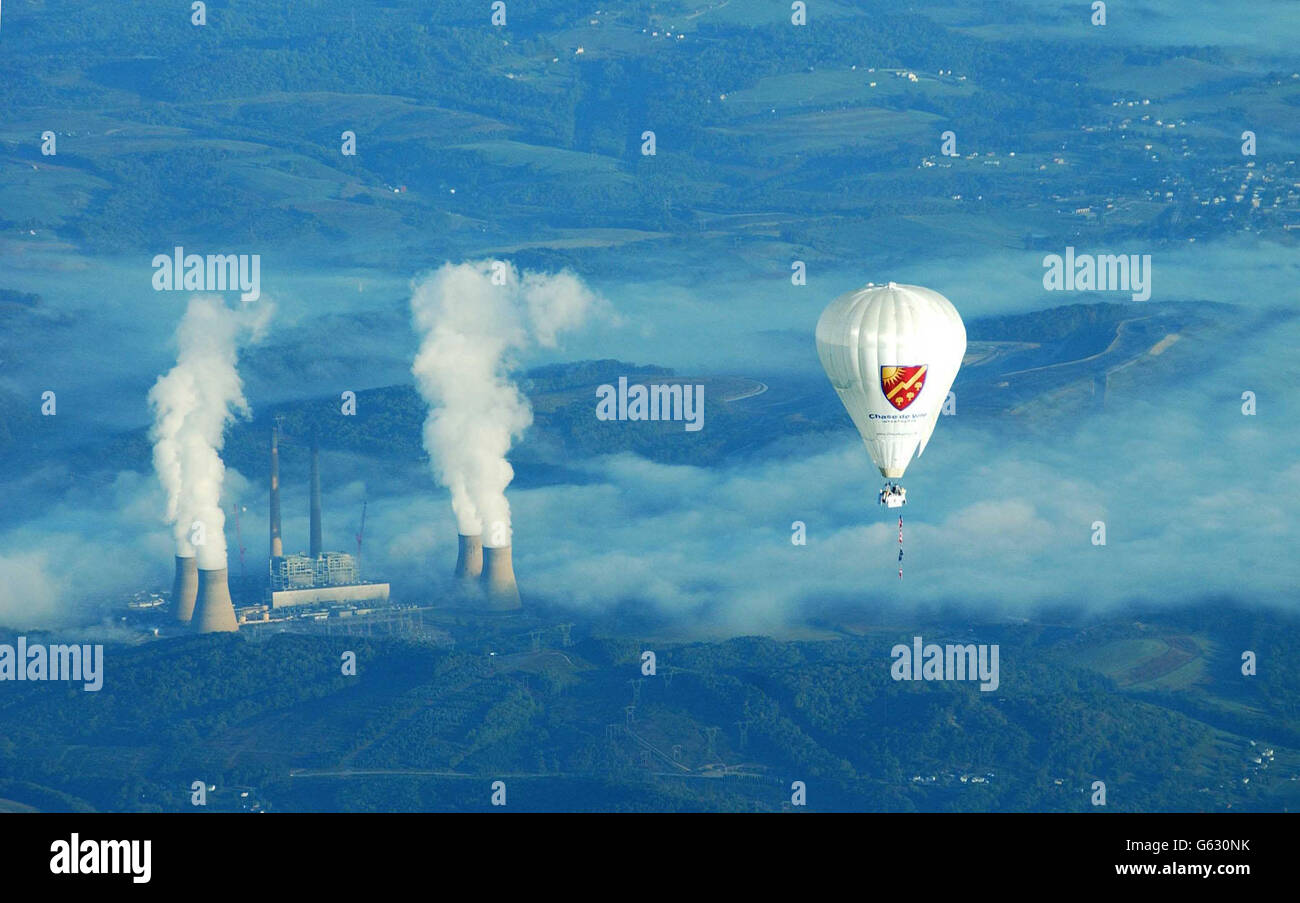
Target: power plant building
x=302, y=571
x=330, y=595
x=303, y=580
x=320, y=578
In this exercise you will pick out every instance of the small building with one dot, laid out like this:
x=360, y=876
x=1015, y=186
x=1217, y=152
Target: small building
x=330, y=595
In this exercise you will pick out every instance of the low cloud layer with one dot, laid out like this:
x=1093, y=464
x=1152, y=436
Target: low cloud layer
x=1197, y=499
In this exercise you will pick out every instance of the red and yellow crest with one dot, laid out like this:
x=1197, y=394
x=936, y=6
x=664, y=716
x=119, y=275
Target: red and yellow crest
x=901, y=385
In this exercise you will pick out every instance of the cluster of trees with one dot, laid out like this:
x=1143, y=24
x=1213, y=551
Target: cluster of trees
x=827, y=713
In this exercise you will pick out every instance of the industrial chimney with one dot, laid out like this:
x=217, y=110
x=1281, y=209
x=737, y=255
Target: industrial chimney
x=185, y=588
x=214, y=612
x=277, y=547
x=499, y=579
x=315, y=498
x=469, y=559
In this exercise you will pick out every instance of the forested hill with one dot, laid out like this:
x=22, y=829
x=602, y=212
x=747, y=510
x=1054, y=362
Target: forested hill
x=1156, y=708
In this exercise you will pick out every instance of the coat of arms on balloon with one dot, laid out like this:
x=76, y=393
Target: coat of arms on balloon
x=901, y=385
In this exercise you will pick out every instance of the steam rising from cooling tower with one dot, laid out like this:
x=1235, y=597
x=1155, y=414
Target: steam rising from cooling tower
x=472, y=318
x=192, y=404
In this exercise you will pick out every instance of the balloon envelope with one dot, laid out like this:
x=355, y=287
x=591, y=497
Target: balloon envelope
x=892, y=353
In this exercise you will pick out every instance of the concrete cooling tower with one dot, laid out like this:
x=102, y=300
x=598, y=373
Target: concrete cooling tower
x=185, y=588
x=469, y=557
x=498, y=579
x=214, y=612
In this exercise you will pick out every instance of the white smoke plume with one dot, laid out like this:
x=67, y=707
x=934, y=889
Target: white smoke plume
x=472, y=317
x=192, y=403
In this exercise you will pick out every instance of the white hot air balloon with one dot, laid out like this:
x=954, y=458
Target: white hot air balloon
x=892, y=353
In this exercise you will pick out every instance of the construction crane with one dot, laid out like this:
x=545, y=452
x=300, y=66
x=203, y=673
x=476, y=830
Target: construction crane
x=361, y=533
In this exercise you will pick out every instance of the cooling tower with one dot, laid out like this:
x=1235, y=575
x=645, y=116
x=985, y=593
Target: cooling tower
x=469, y=559
x=214, y=612
x=277, y=547
x=185, y=589
x=499, y=579
x=315, y=499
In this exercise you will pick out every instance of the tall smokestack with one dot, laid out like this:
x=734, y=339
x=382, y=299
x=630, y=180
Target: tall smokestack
x=499, y=579
x=277, y=547
x=469, y=558
x=315, y=498
x=185, y=589
x=214, y=612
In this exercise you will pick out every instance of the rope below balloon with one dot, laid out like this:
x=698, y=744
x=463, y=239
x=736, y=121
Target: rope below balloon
x=900, y=547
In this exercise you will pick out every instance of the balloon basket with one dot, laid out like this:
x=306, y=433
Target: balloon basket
x=893, y=496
